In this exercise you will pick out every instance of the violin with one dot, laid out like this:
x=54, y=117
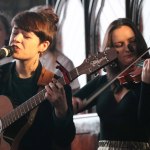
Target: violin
x=133, y=74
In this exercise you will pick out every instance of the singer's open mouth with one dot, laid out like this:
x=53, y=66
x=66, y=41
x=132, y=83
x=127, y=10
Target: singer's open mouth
x=15, y=47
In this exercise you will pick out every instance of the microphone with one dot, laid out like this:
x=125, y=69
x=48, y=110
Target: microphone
x=6, y=51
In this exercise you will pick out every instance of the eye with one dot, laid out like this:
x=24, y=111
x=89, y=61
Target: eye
x=26, y=36
x=118, y=45
x=14, y=33
x=133, y=41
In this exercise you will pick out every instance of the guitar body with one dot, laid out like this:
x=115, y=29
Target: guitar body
x=5, y=107
x=3, y=144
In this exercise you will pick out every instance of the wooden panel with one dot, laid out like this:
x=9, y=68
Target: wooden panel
x=85, y=142
x=87, y=130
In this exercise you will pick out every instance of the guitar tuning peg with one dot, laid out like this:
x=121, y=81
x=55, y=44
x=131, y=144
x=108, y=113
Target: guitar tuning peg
x=107, y=49
x=113, y=65
x=97, y=53
x=94, y=56
x=87, y=59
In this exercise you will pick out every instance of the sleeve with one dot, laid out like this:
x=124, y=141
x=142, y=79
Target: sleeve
x=144, y=103
x=64, y=128
x=90, y=89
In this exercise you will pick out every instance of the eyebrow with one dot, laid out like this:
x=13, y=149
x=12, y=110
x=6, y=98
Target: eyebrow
x=133, y=37
x=122, y=41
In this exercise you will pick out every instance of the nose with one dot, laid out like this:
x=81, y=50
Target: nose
x=126, y=46
x=18, y=37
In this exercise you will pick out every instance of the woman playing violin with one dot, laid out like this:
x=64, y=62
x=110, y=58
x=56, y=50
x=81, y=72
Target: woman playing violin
x=123, y=109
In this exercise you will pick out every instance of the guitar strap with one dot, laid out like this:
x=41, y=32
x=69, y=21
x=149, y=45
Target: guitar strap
x=45, y=77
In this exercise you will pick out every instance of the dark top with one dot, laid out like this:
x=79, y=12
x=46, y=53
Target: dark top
x=46, y=129
x=127, y=120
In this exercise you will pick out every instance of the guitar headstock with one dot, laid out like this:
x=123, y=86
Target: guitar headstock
x=96, y=62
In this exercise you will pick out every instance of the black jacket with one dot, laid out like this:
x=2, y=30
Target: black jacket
x=127, y=120
x=46, y=130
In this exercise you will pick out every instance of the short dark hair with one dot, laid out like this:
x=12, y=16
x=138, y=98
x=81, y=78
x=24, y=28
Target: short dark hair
x=43, y=24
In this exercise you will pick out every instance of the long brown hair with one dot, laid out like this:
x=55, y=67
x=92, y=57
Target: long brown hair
x=141, y=45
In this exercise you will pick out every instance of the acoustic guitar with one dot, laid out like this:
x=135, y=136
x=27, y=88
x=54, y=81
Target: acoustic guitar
x=8, y=115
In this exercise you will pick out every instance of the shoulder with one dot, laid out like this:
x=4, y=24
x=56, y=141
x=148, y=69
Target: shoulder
x=100, y=79
x=6, y=66
x=5, y=71
x=97, y=82
x=91, y=86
